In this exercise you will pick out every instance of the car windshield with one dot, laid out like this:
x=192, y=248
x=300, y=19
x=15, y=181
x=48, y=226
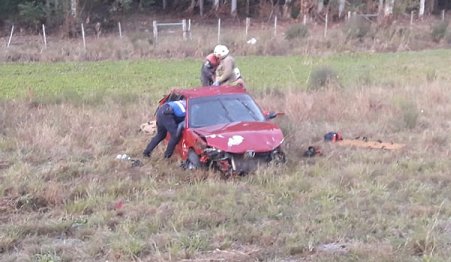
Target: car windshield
x=223, y=109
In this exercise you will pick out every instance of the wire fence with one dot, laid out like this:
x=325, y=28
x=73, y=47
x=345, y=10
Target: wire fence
x=185, y=28
x=167, y=36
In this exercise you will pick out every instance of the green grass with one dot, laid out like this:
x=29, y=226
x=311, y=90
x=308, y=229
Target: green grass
x=156, y=76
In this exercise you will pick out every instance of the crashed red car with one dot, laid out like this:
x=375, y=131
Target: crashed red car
x=225, y=129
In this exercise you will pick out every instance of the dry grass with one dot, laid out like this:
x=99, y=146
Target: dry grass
x=64, y=196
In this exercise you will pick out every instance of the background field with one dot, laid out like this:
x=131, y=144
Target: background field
x=64, y=196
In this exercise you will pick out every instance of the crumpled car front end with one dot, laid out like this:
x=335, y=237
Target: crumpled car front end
x=239, y=148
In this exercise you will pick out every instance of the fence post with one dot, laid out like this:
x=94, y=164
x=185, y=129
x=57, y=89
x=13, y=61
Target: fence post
x=120, y=29
x=325, y=25
x=275, y=26
x=304, y=20
x=349, y=15
x=10, y=36
x=83, y=35
x=45, y=37
x=184, y=29
x=219, y=30
x=248, y=22
x=155, y=31
x=411, y=18
x=443, y=15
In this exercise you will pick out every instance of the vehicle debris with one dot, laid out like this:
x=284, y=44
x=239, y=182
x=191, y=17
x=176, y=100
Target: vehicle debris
x=134, y=162
x=363, y=142
x=333, y=136
x=149, y=127
x=312, y=151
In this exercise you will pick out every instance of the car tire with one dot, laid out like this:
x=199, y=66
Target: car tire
x=193, y=161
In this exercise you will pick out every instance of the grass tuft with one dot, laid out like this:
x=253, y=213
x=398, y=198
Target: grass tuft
x=323, y=77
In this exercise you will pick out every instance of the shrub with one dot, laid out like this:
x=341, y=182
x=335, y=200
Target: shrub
x=439, y=31
x=322, y=77
x=448, y=38
x=295, y=11
x=296, y=31
x=409, y=113
x=357, y=27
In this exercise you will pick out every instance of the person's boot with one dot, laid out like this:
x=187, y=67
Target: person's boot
x=146, y=154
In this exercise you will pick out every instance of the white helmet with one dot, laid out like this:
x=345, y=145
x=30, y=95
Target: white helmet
x=221, y=51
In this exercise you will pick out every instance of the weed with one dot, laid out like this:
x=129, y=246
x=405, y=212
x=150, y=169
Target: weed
x=431, y=75
x=439, y=30
x=296, y=31
x=46, y=257
x=322, y=77
x=409, y=113
x=357, y=27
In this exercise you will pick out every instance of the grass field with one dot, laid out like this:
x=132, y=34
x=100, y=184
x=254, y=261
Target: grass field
x=64, y=196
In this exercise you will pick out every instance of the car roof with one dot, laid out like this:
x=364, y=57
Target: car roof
x=209, y=91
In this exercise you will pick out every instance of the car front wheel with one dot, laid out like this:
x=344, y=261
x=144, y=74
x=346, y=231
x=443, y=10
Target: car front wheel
x=193, y=161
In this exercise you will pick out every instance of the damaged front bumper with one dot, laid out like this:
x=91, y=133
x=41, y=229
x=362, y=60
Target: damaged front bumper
x=247, y=162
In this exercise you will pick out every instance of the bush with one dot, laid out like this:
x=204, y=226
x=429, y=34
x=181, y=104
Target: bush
x=357, y=27
x=322, y=77
x=296, y=31
x=295, y=11
x=439, y=31
x=448, y=38
x=409, y=113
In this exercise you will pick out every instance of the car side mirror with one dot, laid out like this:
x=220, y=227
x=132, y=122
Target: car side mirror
x=272, y=115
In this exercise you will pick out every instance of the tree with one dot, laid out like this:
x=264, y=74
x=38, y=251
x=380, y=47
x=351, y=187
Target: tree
x=421, y=11
x=233, y=5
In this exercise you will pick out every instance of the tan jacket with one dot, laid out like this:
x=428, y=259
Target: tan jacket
x=224, y=72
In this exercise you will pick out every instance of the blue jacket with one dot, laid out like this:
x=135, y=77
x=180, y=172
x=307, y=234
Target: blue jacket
x=178, y=108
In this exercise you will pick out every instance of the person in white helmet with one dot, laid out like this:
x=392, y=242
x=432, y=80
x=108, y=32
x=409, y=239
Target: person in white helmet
x=227, y=72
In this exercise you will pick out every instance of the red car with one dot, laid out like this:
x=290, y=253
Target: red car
x=225, y=129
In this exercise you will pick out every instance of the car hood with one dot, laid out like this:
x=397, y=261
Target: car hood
x=241, y=137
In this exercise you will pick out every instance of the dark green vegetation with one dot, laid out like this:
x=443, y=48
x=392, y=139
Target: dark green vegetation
x=65, y=197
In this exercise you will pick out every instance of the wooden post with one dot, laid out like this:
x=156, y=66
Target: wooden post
x=155, y=31
x=443, y=15
x=10, y=36
x=349, y=15
x=275, y=26
x=184, y=29
x=248, y=22
x=304, y=21
x=45, y=37
x=83, y=35
x=219, y=30
x=325, y=25
x=120, y=29
x=411, y=17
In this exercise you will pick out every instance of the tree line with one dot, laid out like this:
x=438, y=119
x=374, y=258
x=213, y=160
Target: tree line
x=68, y=13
